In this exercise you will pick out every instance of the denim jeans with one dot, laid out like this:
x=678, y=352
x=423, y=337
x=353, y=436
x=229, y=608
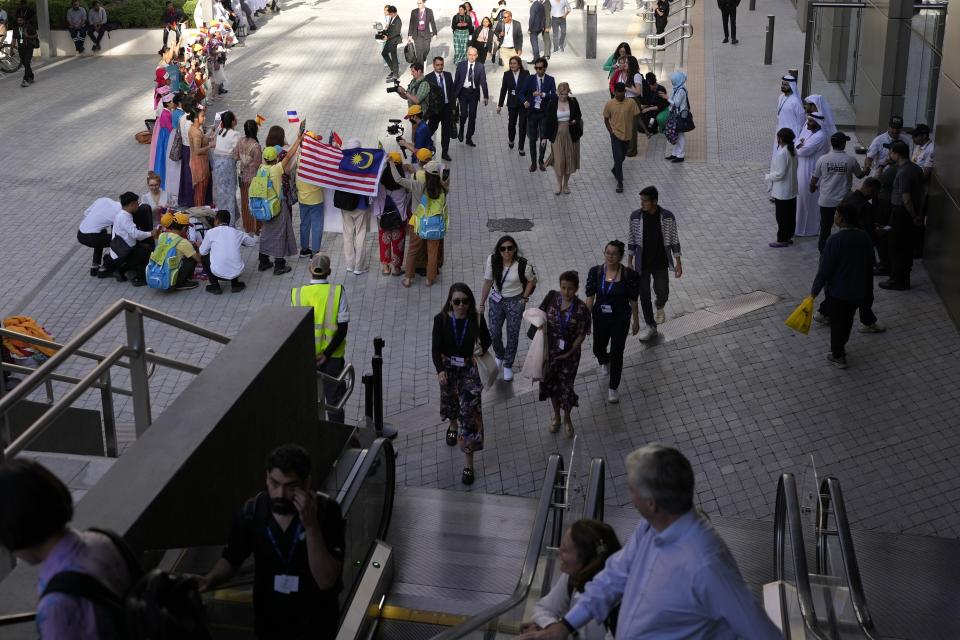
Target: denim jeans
x=311, y=226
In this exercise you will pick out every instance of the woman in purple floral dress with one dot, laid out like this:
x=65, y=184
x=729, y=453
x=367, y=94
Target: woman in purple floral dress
x=568, y=323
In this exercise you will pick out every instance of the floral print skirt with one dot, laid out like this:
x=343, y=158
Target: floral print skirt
x=460, y=401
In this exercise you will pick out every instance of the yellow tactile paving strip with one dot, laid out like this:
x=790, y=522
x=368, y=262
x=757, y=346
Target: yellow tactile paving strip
x=696, y=82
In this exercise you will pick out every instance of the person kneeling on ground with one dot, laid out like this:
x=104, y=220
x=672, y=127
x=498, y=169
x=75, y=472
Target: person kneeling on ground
x=220, y=253
x=97, y=220
x=175, y=239
x=131, y=242
x=296, y=536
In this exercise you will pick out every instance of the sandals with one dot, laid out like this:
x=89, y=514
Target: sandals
x=452, y=437
x=568, y=429
x=406, y=282
x=467, y=478
x=386, y=270
x=555, y=424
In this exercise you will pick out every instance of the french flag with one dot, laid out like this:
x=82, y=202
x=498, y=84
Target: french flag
x=293, y=116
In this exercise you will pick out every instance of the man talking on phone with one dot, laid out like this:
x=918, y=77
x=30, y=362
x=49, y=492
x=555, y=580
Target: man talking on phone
x=296, y=537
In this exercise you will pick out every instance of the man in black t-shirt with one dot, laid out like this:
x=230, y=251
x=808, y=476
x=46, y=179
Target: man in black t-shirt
x=296, y=537
x=905, y=215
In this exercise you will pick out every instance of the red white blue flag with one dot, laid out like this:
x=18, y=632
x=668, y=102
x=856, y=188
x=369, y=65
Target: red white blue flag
x=293, y=116
x=320, y=165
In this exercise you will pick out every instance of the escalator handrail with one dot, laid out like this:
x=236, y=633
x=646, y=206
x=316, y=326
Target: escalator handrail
x=530, y=561
x=831, y=494
x=358, y=476
x=593, y=503
x=787, y=515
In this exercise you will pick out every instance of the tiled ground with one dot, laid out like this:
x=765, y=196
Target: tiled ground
x=746, y=399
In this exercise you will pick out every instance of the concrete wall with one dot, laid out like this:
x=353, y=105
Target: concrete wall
x=942, y=252
x=120, y=42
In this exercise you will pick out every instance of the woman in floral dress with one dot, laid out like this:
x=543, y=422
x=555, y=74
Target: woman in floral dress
x=568, y=323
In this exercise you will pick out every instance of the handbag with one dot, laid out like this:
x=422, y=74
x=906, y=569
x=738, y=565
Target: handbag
x=120, y=247
x=685, y=121
x=410, y=52
x=176, y=149
x=486, y=368
x=390, y=218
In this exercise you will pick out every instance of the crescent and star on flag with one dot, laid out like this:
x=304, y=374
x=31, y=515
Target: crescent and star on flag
x=362, y=159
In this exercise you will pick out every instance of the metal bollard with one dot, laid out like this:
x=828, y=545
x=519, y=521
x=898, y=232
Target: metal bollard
x=367, y=381
x=768, y=47
x=590, y=27
x=753, y=5
x=377, y=391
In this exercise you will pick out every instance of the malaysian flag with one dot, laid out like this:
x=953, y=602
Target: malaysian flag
x=320, y=165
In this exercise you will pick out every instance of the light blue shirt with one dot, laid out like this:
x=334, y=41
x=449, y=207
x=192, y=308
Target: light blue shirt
x=678, y=583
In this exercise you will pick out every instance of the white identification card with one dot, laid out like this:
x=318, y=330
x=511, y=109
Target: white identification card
x=286, y=584
x=457, y=361
x=495, y=296
x=562, y=345
x=606, y=308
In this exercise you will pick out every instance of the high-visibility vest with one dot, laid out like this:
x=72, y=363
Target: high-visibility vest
x=325, y=300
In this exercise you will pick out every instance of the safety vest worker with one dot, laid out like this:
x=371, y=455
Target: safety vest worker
x=331, y=316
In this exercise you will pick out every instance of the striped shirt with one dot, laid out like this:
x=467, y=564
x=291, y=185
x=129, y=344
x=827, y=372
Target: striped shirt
x=668, y=226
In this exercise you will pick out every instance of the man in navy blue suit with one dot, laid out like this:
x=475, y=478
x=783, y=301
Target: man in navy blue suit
x=539, y=90
x=443, y=119
x=536, y=27
x=470, y=80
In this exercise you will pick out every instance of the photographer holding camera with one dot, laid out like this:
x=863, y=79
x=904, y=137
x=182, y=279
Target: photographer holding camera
x=391, y=40
x=418, y=91
x=422, y=137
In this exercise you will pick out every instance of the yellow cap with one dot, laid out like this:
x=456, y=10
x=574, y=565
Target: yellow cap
x=181, y=218
x=395, y=157
x=424, y=155
x=414, y=110
x=166, y=219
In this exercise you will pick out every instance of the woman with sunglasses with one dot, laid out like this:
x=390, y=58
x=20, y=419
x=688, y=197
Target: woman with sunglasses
x=612, y=293
x=568, y=323
x=508, y=281
x=457, y=330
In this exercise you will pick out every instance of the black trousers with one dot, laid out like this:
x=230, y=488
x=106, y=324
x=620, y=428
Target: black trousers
x=786, y=212
x=26, y=57
x=97, y=241
x=517, y=115
x=211, y=276
x=333, y=391
x=389, y=55
x=444, y=122
x=826, y=226
x=661, y=289
x=619, y=148
x=901, y=245
x=537, y=130
x=867, y=316
x=468, y=99
x=135, y=261
x=96, y=34
x=612, y=330
x=661, y=23
x=729, y=16
x=188, y=266
x=841, y=322
x=423, y=47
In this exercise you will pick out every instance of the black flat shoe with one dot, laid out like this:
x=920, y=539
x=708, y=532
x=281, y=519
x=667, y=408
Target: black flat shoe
x=510, y=144
x=263, y=266
x=677, y=160
x=522, y=152
x=279, y=271
x=451, y=437
x=467, y=477
x=533, y=168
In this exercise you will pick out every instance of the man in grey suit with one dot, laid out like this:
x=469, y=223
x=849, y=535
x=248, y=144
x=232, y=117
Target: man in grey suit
x=392, y=38
x=421, y=29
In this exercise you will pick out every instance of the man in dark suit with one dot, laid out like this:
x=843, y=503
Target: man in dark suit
x=470, y=80
x=728, y=11
x=421, y=29
x=391, y=40
x=536, y=26
x=509, y=35
x=444, y=117
x=514, y=80
x=539, y=90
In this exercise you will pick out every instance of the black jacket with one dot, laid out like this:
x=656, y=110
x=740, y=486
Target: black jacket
x=510, y=90
x=444, y=343
x=576, y=126
x=479, y=46
x=432, y=79
x=394, y=31
x=728, y=5
x=538, y=17
x=415, y=21
x=517, y=36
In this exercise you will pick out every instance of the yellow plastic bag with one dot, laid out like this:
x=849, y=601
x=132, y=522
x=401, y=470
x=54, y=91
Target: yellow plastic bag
x=800, y=319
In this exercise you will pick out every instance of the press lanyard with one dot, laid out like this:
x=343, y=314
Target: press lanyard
x=564, y=321
x=504, y=278
x=293, y=545
x=458, y=335
x=606, y=287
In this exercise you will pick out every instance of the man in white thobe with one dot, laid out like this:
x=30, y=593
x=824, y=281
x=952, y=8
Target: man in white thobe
x=790, y=112
x=811, y=144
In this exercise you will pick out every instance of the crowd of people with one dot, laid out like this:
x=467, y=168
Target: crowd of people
x=880, y=223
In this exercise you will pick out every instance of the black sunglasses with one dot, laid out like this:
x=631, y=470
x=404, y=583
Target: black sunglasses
x=460, y=301
x=507, y=247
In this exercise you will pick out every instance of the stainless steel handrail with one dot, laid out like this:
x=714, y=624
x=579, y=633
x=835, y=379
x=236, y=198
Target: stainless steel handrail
x=40, y=342
x=685, y=28
x=62, y=404
x=530, y=561
x=831, y=495
x=596, y=490
x=787, y=515
x=363, y=470
x=59, y=377
x=348, y=375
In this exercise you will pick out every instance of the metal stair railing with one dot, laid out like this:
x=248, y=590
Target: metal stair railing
x=686, y=32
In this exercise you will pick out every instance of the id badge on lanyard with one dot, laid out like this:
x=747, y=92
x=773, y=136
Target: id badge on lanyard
x=284, y=582
x=457, y=361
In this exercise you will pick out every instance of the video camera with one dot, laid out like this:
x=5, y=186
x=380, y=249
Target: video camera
x=379, y=32
x=395, y=88
x=395, y=128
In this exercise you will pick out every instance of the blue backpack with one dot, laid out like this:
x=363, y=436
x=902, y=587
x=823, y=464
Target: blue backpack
x=264, y=199
x=164, y=262
x=431, y=217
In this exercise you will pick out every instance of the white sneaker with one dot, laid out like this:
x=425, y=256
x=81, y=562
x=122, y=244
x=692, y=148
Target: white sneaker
x=499, y=362
x=661, y=316
x=360, y=272
x=612, y=396
x=348, y=269
x=507, y=374
x=605, y=369
x=876, y=327
x=819, y=318
x=648, y=334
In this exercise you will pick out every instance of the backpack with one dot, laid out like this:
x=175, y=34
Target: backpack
x=522, y=272
x=431, y=218
x=435, y=103
x=159, y=605
x=410, y=53
x=164, y=264
x=264, y=200
x=346, y=201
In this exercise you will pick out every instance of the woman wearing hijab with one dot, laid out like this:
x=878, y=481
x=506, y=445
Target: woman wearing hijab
x=816, y=103
x=679, y=103
x=160, y=140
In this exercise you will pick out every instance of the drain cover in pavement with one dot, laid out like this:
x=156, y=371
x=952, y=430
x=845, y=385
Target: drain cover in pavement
x=511, y=225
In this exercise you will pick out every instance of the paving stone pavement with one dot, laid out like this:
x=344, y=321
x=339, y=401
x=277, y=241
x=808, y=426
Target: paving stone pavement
x=746, y=399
